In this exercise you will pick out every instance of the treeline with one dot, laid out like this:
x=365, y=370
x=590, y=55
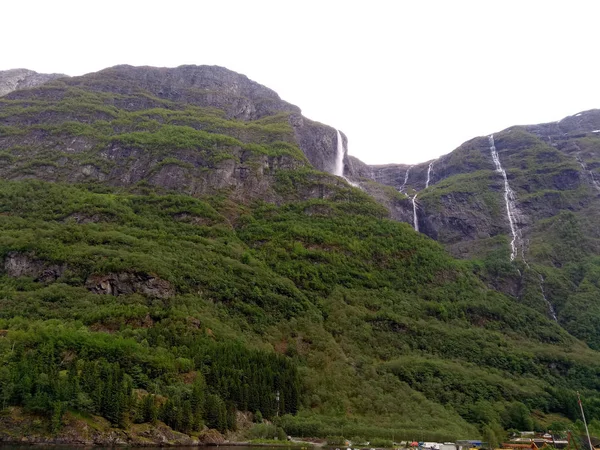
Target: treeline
x=253, y=382
x=48, y=379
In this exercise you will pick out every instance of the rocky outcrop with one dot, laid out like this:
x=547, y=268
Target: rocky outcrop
x=390, y=174
x=318, y=142
x=398, y=204
x=207, y=86
x=569, y=127
x=15, y=79
x=356, y=169
x=125, y=283
x=18, y=427
x=246, y=174
x=457, y=219
x=470, y=157
x=18, y=264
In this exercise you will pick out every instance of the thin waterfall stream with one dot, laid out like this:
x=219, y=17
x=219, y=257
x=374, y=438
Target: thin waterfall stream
x=429, y=174
x=415, y=216
x=548, y=304
x=405, y=179
x=509, y=200
x=589, y=172
x=338, y=169
x=339, y=156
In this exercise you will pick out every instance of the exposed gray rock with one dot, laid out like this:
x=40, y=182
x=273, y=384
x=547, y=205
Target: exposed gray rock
x=471, y=156
x=318, y=142
x=15, y=79
x=390, y=174
x=130, y=283
x=18, y=428
x=580, y=123
x=355, y=168
x=18, y=264
x=213, y=86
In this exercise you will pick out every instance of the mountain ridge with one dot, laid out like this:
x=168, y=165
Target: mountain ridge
x=567, y=124
x=15, y=79
x=176, y=241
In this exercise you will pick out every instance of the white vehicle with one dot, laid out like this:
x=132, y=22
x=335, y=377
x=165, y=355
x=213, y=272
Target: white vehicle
x=431, y=445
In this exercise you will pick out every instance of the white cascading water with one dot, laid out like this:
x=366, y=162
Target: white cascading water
x=429, y=174
x=415, y=216
x=413, y=200
x=405, y=179
x=339, y=161
x=590, y=173
x=509, y=200
x=339, y=156
x=548, y=304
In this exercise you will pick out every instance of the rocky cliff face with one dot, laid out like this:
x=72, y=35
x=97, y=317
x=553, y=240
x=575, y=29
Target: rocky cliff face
x=205, y=86
x=90, y=127
x=318, y=142
x=463, y=200
x=553, y=172
x=15, y=79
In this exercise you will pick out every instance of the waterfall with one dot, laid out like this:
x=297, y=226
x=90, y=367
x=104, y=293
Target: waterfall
x=429, y=174
x=509, y=200
x=405, y=179
x=415, y=216
x=339, y=156
x=589, y=172
x=338, y=169
x=548, y=304
x=412, y=199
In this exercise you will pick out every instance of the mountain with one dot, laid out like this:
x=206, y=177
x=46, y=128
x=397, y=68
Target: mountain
x=229, y=103
x=554, y=172
x=178, y=259
x=12, y=80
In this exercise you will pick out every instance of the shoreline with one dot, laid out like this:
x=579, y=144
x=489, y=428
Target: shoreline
x=41, y=442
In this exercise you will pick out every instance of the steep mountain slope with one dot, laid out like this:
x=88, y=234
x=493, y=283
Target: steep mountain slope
x=554, y=172
x=173, y=250
x=74, y=115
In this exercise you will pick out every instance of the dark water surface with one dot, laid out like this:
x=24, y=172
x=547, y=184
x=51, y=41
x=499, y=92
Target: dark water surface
x=202, y=447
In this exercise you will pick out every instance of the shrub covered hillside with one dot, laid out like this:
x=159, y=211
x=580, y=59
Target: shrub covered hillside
x=292, y=296
x=554, y=171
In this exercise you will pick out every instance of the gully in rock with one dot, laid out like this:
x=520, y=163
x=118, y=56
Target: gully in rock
x=509, y=200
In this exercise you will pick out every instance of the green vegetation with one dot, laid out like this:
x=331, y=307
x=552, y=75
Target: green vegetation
x=339, y=311
x=84, y=130
x=291, y=296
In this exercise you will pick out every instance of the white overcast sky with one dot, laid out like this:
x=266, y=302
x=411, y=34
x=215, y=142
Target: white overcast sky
x=406, y=81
